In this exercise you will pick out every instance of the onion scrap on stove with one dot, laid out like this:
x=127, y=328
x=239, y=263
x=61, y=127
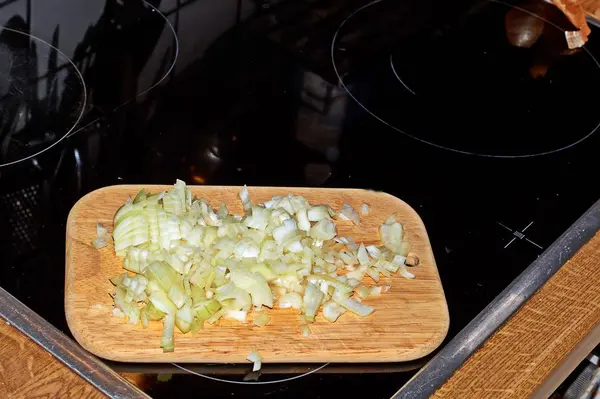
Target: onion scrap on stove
x=187, y=264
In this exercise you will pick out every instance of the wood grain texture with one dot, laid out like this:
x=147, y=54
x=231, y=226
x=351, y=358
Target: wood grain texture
x=591, y=7
x=536, y=340
x=28, y=371
x=410, y=321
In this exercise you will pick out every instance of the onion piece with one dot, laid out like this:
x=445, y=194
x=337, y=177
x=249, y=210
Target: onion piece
x=352, y=282
x=303, y=221
x=332, y=311
x=305, y=330
x=340, y=286
x=363, y=256
x=256, y=359
x=378, y=290
x=312, y=301
x=99, y=242
x=348, y=213
x=318, y=213
x=184, y=318
x=255, y=285
x=363, y=291
x=323, y=230
x=352, y=305
x=167, y=340
x=405, y=273
x=258, y=219
x=373, y=251
x=262, y=319
x=245, y=198
x=365, y=209
x=290, y=300
x=391, y=236
x=374, y=274
x=285, y=231
x=101, y=231
x=238, y=315
x=399, y=260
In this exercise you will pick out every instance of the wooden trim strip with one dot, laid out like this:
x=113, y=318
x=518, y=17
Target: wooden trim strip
x=66, y=350
x=27, y=370
x=591, y=8
x=537, y=340
x=485, y=324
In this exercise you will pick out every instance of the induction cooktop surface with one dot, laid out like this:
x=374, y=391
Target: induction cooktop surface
x=476, y=114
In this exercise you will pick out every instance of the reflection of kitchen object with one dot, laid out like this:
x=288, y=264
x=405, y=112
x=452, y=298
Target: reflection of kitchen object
x=524, y=27
x=42, y=94
x=575, y=13
x=145, y=374
x=535, y=24
x=320, y=120
x=587, y=381
x=410, y=320
x=267, y=369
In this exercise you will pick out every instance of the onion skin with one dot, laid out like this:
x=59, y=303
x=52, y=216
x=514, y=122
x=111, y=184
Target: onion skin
x=522, y=29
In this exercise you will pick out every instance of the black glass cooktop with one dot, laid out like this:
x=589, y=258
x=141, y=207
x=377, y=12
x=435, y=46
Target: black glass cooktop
x=475, y=113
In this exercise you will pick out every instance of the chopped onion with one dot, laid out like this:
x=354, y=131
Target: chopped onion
x=101, y=231
x=323, y=230
x=405, y=273
x=348, y=242
x=305, y=330
x=189, y=264
x=332, y=311
x=303, y=221
x=246, y=248
x=399, y=259
x=352, y=282
x=348, y=213
x=318, y=213
x=363, y=256
x=352, y=305
x=391, y=236
x=390, y=219
x=245, y=198
x=262, y=319
x=365, y=209
x=374, y=274
x=99, y=242
x=167, y=340
x=285, y=231
x=363, y=291
x=256, y=285
x=312, y=301
x=256, y=359
x=373, y=251
x=290, y=300
x=259, y=218
x=378, y=290
x=238, y=315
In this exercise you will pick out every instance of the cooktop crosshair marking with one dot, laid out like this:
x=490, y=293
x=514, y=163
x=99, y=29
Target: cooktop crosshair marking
x=519, y=235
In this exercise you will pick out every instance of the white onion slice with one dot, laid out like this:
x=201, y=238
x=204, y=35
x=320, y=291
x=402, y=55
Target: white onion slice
x=348, y=213
x=363, y=256
x=290, y=300
x=256, y=359
x=365, y=209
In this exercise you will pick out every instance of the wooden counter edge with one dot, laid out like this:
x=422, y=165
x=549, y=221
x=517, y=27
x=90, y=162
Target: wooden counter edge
x=27, y=370
x=542, y=342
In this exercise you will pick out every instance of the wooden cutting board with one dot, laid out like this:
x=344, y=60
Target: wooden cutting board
x=409, y=322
